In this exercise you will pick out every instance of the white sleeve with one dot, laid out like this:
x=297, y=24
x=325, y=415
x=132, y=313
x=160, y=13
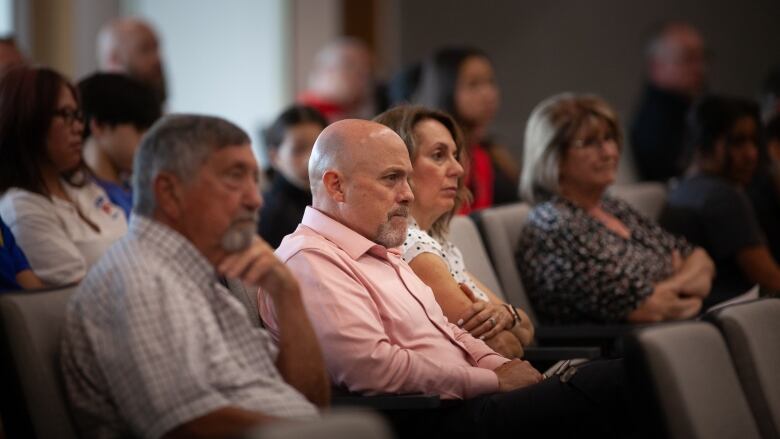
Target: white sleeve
x=39, y=232
x=418, y=242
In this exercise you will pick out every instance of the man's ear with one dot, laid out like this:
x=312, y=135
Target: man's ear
x=333, y=182
x=167, y=194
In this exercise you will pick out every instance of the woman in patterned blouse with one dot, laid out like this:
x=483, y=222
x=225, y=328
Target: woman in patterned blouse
x=436, y=150
x=584, y=256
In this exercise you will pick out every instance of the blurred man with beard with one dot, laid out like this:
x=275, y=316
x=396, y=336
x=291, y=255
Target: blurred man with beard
x=154, y=344
x=130, y=46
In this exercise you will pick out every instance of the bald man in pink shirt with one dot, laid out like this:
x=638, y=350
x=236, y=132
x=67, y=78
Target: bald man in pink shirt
x=380, y=327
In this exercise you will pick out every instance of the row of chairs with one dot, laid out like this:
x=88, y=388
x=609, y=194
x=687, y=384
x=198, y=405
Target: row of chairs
x=716, y=378
x=712, y=378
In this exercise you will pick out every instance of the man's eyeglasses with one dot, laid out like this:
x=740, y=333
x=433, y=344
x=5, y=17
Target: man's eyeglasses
x=69, y=115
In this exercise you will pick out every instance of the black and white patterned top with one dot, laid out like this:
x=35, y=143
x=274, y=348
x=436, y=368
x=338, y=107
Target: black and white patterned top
x=152, y=340
x=419, y=241
x=575, y=270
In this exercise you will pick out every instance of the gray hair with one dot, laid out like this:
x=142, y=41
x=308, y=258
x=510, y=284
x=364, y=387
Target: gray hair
x=178, y=144
x=550, y=128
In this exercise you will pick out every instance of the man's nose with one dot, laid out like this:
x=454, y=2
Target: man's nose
x=406, y=195
x=252, y=198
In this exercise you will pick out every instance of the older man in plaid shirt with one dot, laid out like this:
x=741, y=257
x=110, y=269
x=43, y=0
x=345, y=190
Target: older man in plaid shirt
x=154, y=344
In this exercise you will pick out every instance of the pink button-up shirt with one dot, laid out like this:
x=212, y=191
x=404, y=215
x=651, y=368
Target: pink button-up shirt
x=379, y=325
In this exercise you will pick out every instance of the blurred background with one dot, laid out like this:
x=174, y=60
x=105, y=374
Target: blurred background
x=247, y=59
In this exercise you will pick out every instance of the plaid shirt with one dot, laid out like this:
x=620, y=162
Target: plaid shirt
x=152, y=341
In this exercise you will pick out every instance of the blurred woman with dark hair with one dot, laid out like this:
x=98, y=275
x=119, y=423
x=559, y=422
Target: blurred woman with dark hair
x=710, y=208
x=462, y=82
x=62, y=220
x=288, y=142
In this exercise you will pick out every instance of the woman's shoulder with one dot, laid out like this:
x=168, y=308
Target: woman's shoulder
x=419, y=241
x=16, y=202
x=551, y=215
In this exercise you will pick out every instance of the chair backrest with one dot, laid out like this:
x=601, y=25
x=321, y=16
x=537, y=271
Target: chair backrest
x=752, y=332
x=648, y=198
x=465, y=235
x=248, y=297
x=501, y=227
x=694, y=381
x=32, y=324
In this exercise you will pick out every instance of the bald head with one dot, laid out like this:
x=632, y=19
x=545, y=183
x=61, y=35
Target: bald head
x=130, y=46
x=677, y=59
x=343, y=72
x=346, y=145
x=359, y=174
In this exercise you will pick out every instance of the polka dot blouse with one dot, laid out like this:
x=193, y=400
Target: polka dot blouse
x=418, y=241
x=575, y=270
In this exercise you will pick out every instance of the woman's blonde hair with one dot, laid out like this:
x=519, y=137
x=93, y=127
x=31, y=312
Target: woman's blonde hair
x=549, y=131
x=403, y=119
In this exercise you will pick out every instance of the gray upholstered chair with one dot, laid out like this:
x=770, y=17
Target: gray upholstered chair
x=465, y=235
x=501, y=227
x=247, y=296
x=752, y=332
x=693, y=381
x=648, y=197
x=31, y=328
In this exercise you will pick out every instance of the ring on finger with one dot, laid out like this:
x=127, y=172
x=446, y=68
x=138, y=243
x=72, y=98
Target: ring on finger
x=492, y=322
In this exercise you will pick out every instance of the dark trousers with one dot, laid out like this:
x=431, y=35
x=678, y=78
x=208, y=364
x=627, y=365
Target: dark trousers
x=592, y=403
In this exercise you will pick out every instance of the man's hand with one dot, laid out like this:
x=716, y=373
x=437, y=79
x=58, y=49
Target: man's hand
x=516, y=374
x=257, y=265
x=506, y=344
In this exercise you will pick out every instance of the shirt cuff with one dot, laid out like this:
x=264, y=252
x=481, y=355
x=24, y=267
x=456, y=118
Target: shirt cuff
x=482, y=382
x=491, y=361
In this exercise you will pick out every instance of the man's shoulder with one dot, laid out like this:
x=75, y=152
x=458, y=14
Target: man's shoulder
x=126, y=268
x=303, y=240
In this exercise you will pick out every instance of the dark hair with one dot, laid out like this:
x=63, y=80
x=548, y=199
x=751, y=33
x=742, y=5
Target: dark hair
x=440, y=77
x=273, y=135
x=28, y=100
x=113, y=99
x=714, y=116
x=403, y=119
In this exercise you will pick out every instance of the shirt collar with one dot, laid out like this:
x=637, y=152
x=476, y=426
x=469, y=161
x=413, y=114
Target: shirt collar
x=352, y=242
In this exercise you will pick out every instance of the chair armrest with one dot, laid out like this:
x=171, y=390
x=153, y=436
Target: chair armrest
x=536, y=354
x=609, y=338
x=582, y=332
x=407, y=401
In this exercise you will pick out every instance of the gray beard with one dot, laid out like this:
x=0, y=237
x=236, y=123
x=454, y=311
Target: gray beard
x=240, y=234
